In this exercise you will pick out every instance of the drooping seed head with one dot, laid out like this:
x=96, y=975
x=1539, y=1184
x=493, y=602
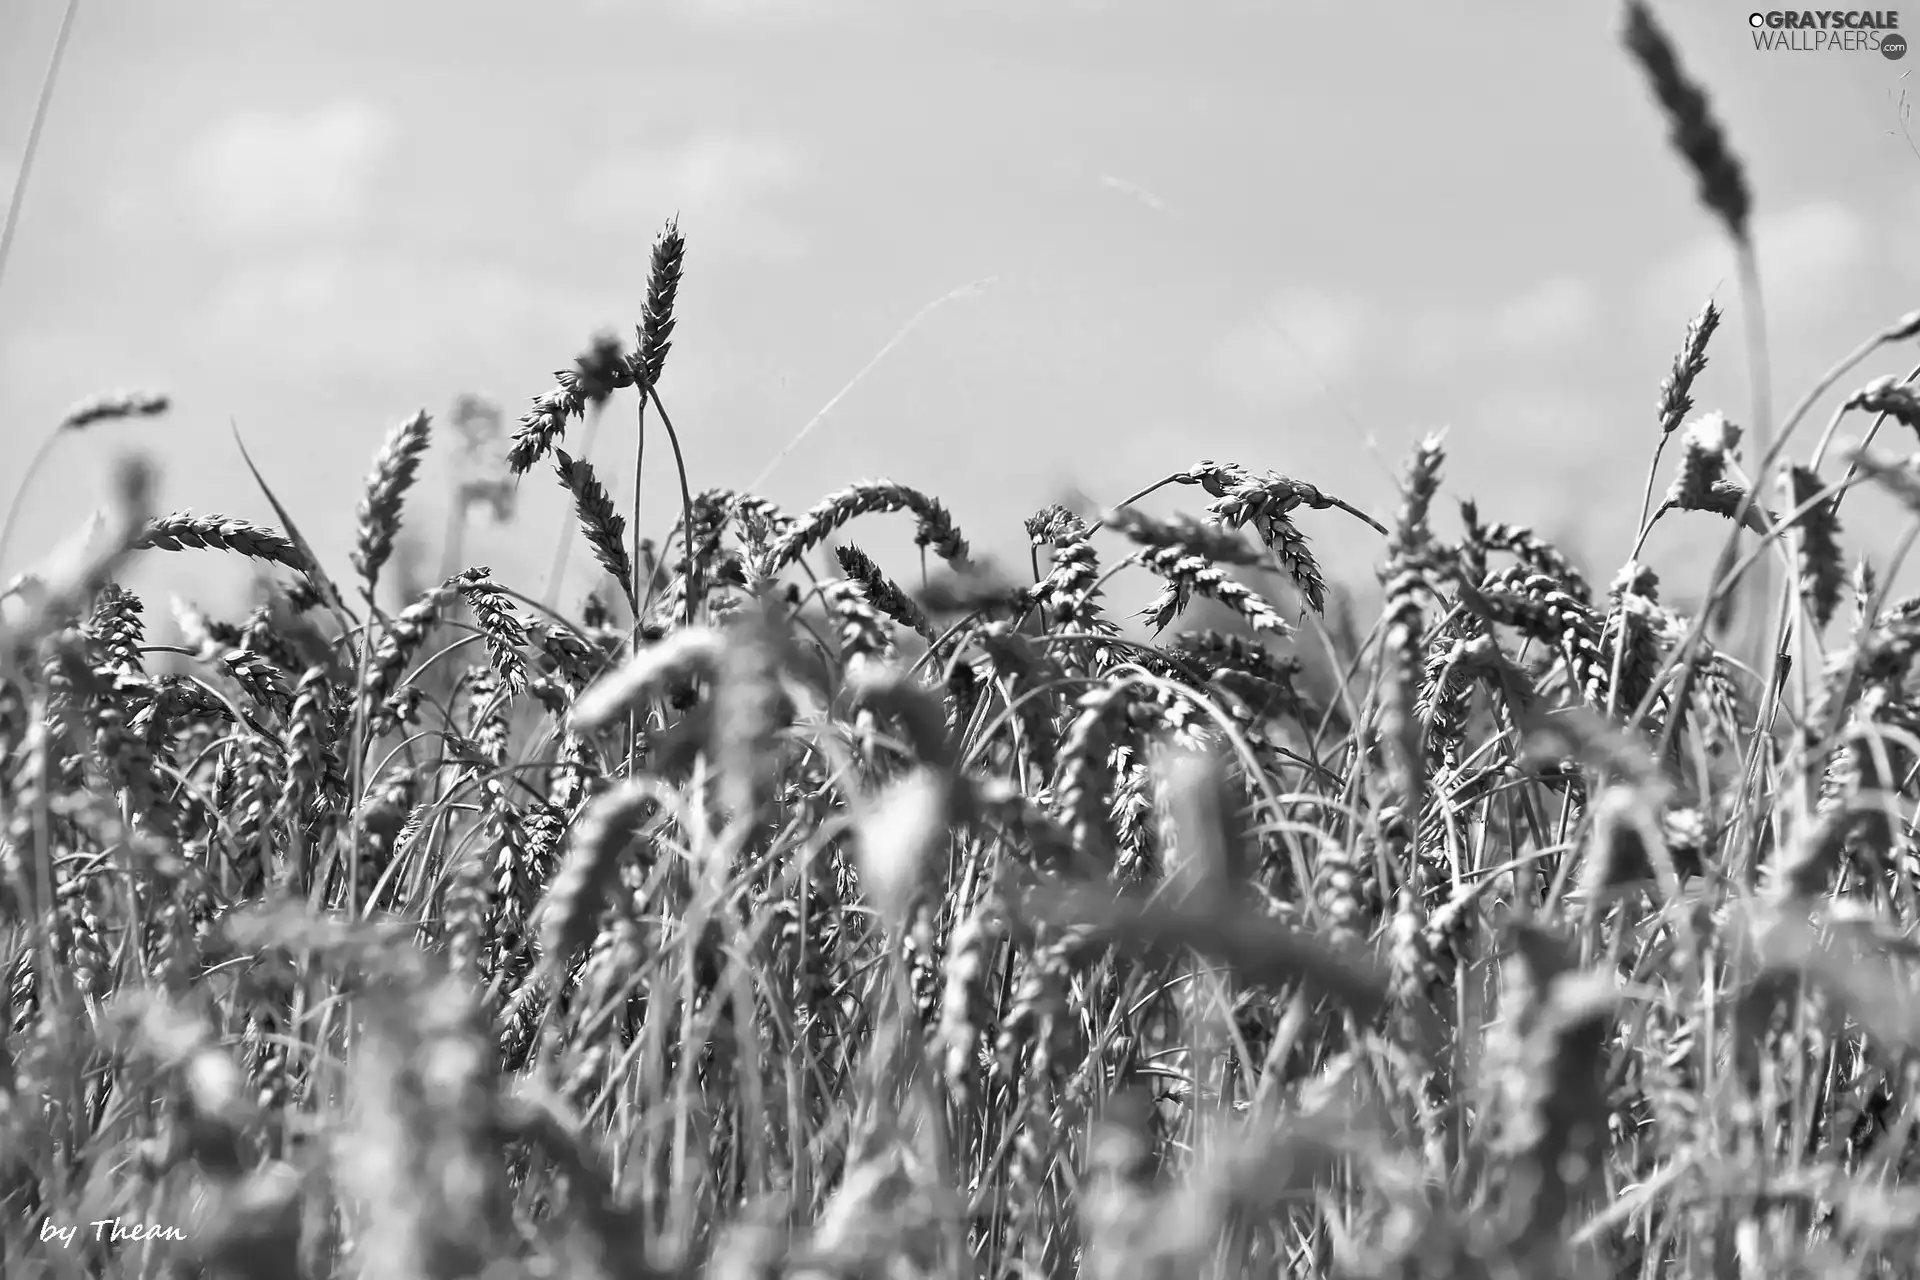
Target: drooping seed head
x=109, y=406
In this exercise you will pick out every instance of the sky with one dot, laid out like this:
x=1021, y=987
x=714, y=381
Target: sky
x=1120, y=237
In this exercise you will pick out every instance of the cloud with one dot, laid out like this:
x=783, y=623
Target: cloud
x=1810, y=256
x=721, y=181
x=1300, y=342
x=1551, y=314
x=399, y=314
x=262, y=174
x=1517, y=422
x=1546, y=317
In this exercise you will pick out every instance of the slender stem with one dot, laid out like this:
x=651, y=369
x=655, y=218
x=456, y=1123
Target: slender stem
x=639, y=465
x=1834, y=375
x=34, y=130
x=1853, y=467
x=686, y=496
x=633, y=569
x=359, y=741
x=1760, y=586
x=1646, y=498
x=1127, y=502
x=1340, y=504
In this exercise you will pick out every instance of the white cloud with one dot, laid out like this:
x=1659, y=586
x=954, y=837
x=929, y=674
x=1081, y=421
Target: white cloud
x=1301, y=342
x=381, y=315
x=719, y=181
x=258, y=173
x=1551, y=314
x=1810, y=255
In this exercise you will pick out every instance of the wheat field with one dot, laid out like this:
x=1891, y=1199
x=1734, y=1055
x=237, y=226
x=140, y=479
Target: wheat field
x=780, y=912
